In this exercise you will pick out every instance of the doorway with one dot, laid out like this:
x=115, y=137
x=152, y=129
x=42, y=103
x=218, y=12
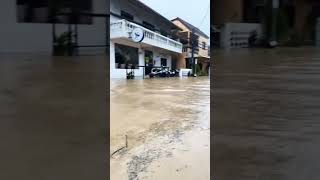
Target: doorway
x=163, y=62
x=174, y=63
x=148, y=61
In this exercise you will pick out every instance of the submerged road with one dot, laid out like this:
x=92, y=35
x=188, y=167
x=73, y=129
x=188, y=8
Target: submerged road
x=52, y=117
x=166, y=121
x=266, y=120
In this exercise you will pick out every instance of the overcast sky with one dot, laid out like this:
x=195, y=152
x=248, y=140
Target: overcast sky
x=192, y=11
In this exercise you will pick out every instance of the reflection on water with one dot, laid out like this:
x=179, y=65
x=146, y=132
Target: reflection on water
x=157, y=115
x=266, y=114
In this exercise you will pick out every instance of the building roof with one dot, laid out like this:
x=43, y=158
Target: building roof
x=191, y=27
x=158, y=14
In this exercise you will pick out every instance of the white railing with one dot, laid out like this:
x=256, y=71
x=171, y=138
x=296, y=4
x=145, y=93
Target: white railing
x=236, y=35
x=124, y=28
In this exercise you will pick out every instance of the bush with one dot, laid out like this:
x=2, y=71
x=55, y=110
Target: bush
x=199, y=71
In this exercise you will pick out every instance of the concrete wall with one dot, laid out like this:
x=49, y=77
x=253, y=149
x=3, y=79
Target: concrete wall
x=180, y=25
x=203, y=52
x=121, y=73
x=238, y=30
x=37, y=37
x=157, y=58
x=181, y=61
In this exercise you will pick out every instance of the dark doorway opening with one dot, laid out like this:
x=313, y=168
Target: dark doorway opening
x=174, y=63
x=189, y=63
x=163, y=62
x=148, y=60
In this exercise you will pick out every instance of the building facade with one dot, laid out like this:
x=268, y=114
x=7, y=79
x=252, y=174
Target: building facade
x=191, y=36
x=155, y=46
x=236, y=19
x=27, y=24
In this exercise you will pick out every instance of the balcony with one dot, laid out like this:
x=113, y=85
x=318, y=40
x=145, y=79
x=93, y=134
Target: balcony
x=123, y=29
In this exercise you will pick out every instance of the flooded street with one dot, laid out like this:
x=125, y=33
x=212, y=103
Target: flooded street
x=266, y=114
x=166, y=122
x=52, y=117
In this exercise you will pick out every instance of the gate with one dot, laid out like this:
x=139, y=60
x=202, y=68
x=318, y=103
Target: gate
x=73, y=45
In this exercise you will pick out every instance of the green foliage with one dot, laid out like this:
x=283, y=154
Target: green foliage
x=61, y=46
x=199, y=71
x=62, y=40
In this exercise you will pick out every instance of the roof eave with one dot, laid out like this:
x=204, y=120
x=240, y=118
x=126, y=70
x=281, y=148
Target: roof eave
x=173, y=26
x=185, y=23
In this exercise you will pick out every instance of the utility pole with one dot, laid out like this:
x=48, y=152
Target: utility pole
x=273, y=38
x=192, y=37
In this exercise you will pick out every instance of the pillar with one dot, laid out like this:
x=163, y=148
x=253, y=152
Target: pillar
x=302, y=10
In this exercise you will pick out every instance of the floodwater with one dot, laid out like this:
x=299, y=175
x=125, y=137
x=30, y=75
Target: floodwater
x=266, y=120
x=52, y=117
x=167, y=124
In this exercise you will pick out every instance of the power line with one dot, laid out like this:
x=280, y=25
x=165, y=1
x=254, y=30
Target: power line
x=205, y=15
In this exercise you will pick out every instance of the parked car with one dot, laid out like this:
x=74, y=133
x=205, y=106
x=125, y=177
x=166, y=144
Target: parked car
x=160, y=72
x=155, y=72
x=164, y=72
x=174, y=73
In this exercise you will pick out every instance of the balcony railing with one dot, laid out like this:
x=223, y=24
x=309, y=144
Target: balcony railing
x=123, y=29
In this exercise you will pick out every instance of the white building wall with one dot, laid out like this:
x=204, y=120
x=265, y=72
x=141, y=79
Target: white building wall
x=37, y=37
x=157, y=57
x=122, y=73
x=240, y=32
x=114, y=18
x=116, y=6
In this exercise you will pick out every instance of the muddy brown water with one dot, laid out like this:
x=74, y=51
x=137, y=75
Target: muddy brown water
x=167, y=124
x=52, y=117
x=266, y=117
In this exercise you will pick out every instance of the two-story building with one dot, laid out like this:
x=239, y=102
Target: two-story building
x=234, y=20
x=140, y=38
x=188, y=35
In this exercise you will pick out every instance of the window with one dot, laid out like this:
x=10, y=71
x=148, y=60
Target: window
x=204, y=45
x=126, y=57
x=148, y=25
x=127, y=16
x=163, y=33
x=42, y=11
x=184, y=49
x=163, y=62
